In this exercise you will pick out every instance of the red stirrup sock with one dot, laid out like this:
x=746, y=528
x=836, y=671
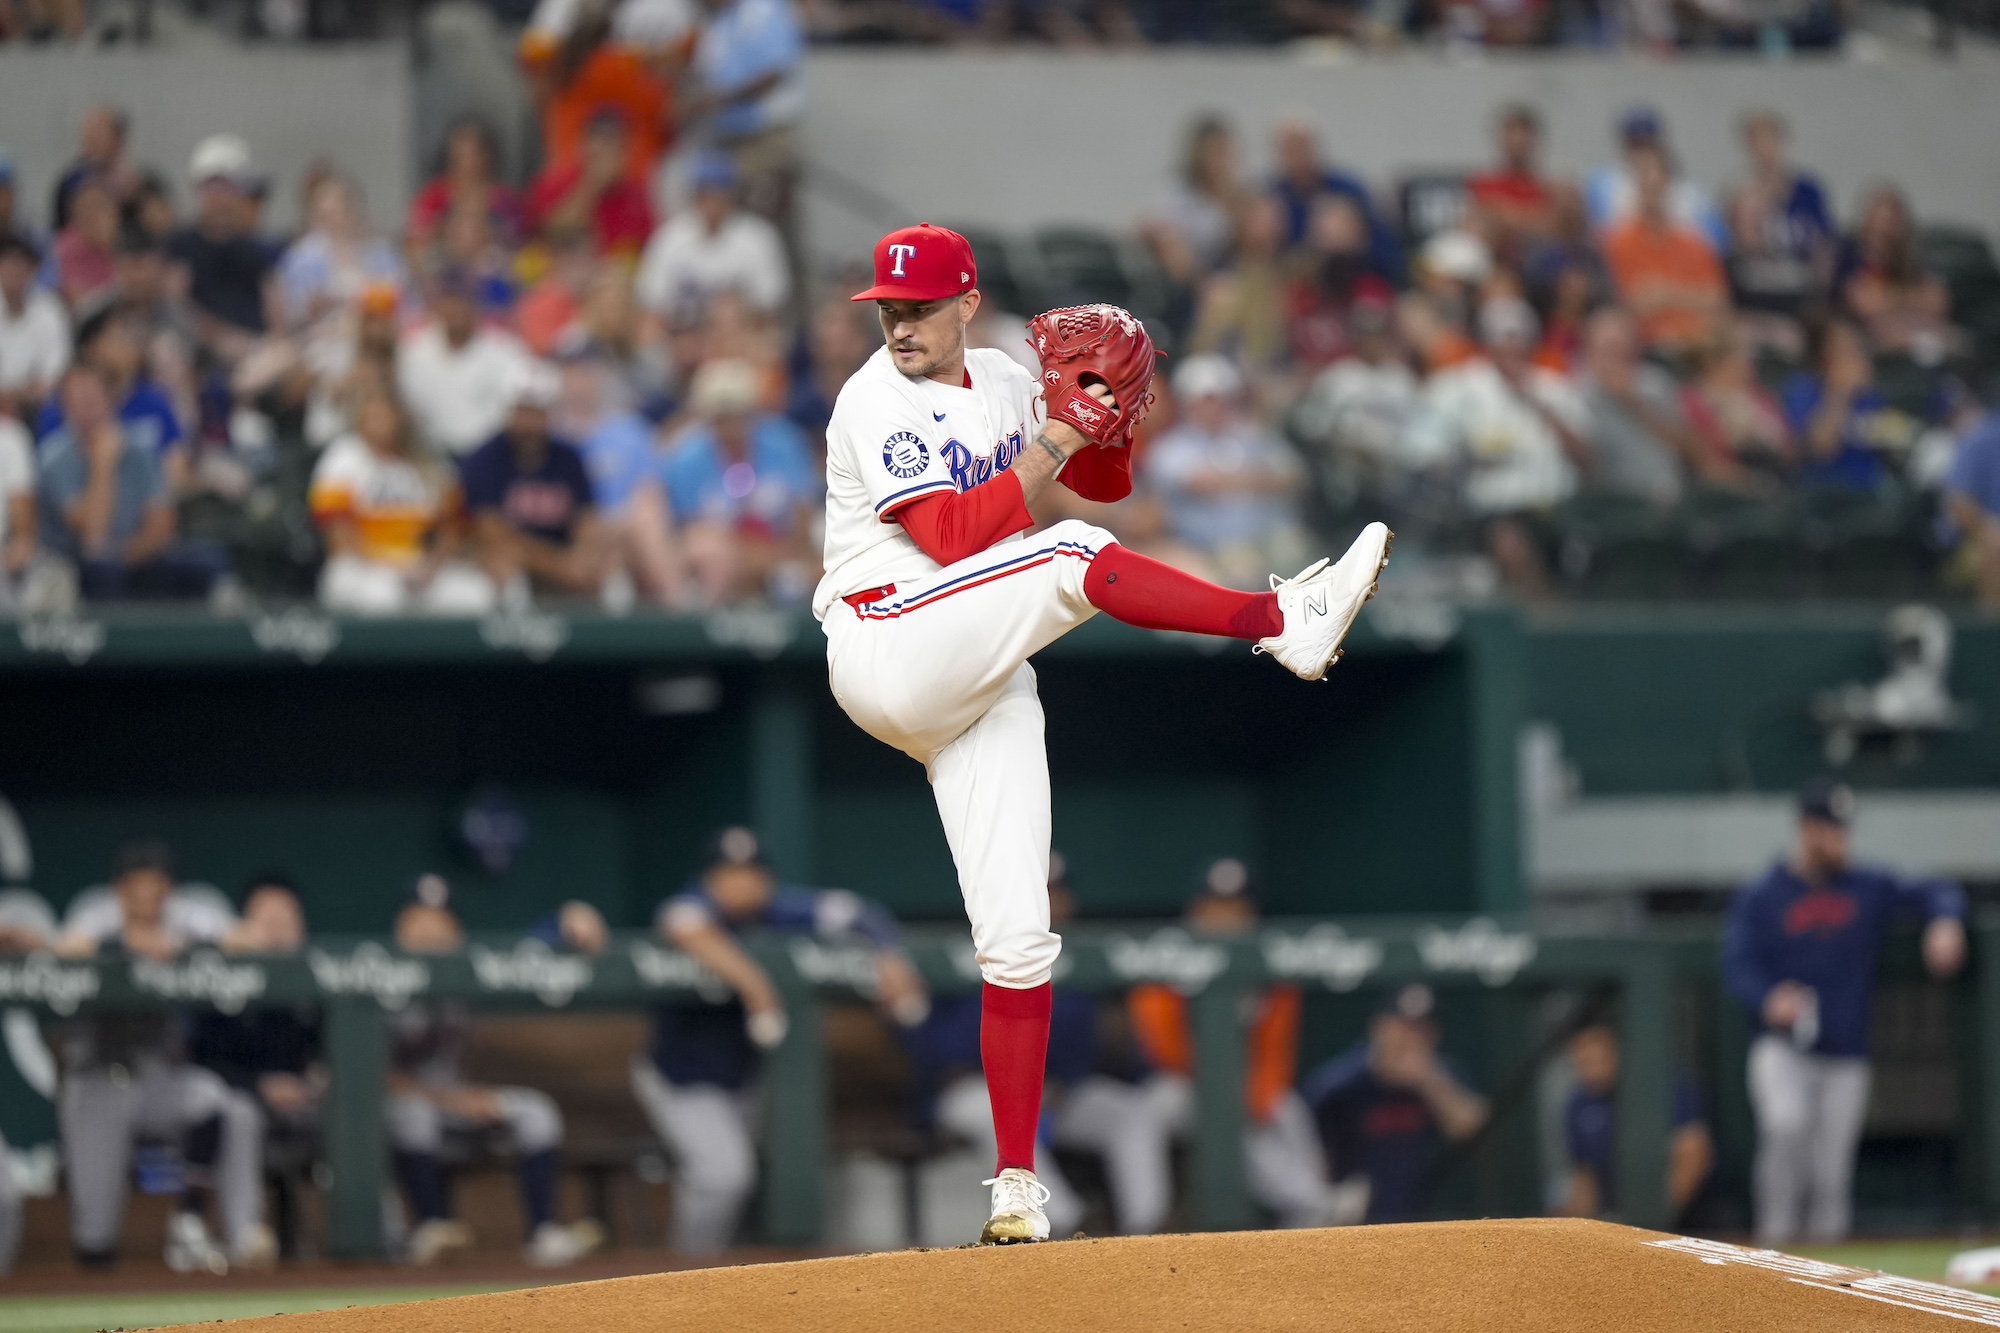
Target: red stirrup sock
x=1129, y=587
x=1014, y=1047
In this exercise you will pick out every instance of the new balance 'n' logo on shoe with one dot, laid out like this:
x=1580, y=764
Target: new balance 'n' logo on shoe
x=1320, y=604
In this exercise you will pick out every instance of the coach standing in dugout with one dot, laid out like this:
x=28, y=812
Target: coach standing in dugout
x=1800, y=954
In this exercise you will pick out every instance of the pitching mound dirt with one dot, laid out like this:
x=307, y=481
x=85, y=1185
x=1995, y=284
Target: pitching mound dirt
x=1493, y=1277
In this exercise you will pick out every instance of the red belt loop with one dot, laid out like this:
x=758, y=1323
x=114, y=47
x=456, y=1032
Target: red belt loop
x=857, y=600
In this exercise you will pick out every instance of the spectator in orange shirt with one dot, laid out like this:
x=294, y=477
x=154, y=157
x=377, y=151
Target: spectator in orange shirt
x=596, y=192
x=585, y=74
x=1664, y=270
x=1281, y=1152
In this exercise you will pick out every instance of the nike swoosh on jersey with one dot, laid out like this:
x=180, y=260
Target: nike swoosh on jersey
x=937, y=416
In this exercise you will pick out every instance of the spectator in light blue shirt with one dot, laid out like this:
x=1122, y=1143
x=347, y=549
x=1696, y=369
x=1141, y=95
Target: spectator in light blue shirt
x=105, y=507
x=743, y=486
x=1972, y=500
x=621, y=452
x=751, y=62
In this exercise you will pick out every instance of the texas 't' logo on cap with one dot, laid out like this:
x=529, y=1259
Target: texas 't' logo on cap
x=921, y=263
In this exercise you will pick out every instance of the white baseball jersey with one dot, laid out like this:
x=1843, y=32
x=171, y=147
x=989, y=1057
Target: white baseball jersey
x=893, y=439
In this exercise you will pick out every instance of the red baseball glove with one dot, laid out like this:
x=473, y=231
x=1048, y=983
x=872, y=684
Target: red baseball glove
x=1084, y=345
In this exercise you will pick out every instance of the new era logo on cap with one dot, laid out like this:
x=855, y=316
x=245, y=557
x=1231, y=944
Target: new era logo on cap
x=921, y=263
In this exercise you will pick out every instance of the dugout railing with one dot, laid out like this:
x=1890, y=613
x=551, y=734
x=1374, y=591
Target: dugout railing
x=360, y=982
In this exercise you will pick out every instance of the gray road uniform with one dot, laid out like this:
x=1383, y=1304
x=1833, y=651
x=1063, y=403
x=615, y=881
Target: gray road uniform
x=125, y=1077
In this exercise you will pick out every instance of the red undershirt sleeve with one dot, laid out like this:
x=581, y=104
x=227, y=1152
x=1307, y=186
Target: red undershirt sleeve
x=1099, y=472
x=948, y=528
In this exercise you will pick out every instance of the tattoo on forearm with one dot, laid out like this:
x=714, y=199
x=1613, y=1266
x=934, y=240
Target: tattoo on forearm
x=1055, y=453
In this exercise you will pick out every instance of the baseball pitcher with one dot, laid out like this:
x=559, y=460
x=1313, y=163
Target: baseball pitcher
x=934, y=599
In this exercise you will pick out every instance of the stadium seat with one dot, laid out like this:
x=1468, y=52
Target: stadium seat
x=1964, y=260
x=1082, y=265
x=1615, y=547
x=1745, y=546
x=1004, y=278
x=1432, y=202
x=1865, y=544
x=1910, y=387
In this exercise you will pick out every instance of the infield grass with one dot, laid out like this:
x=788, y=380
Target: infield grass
x=1922, y=1259
x=88, y=1314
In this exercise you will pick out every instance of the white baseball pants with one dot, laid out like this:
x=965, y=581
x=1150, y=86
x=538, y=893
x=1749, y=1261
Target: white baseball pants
x=939, y=669
x=1809, y=1113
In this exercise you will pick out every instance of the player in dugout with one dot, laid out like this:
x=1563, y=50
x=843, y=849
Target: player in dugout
x=934, y=599
x=697, y=1082
x=1388, y=1105
x=431, y=1102
x=1590, y=1135
x=1281, y=1153
x=126, y=1076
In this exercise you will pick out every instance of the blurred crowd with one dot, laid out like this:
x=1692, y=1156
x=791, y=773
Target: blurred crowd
x=608, y=384
x=1626, y=377
x=1773, y=26
x=566, y=388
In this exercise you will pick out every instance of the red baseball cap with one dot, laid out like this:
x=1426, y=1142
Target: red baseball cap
x=921, y=263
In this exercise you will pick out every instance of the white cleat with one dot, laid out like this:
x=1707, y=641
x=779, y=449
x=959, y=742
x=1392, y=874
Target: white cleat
x=1017, y=1209
x=557, y=1245
x=437, y=1240
x=190, y=1248
x=1320, y=604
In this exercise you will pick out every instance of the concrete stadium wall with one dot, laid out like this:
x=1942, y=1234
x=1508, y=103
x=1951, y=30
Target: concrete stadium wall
x=350, y=104
x=1024, y=138
x=1019, y=139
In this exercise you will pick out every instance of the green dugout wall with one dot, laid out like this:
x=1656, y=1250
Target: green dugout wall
x=344, y=753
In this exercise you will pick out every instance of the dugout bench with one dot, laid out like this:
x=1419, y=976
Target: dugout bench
x=359, y=981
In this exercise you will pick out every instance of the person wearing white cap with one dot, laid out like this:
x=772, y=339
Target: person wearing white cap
x=1511, y=430
x=453, y=371
x=534, y=522
x=1230, y=488
x=228, y=266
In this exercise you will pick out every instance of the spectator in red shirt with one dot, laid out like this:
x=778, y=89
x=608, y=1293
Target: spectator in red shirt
x=466, y=181
x=595, y=193
x=86, y=251
x=1341, y=274
x=1514, y=202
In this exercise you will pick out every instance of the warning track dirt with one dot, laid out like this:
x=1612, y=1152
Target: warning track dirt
x=1533, y=1276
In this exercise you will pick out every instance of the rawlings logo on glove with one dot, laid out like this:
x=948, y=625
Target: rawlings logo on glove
x=1095, y=344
